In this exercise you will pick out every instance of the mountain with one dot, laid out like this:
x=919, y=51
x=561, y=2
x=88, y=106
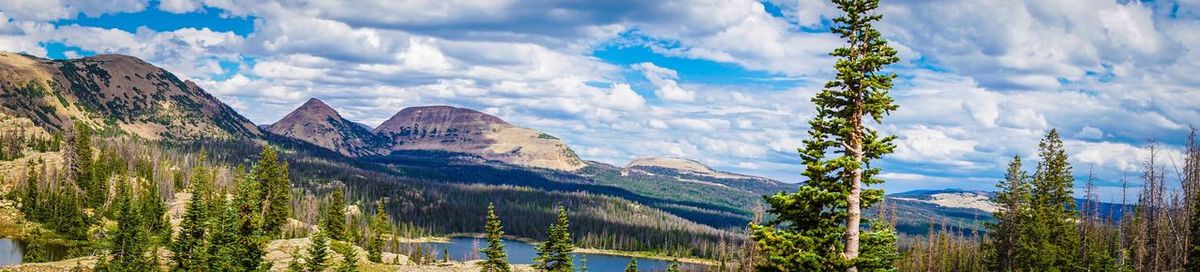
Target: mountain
x=115, y=92
x=963, y=209
x=686, y=170
x=317, y=123
x=451, y=129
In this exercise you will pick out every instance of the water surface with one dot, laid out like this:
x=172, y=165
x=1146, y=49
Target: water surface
x=462, y=249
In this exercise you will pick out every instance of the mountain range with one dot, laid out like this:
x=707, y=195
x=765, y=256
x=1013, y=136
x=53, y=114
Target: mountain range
x=125, y=95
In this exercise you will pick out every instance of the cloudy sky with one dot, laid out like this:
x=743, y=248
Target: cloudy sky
x=725, y=82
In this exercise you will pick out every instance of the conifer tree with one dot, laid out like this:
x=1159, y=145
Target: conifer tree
x=674, y=266
x=818, y=228
x=131, y=240
x=379, y=226
x=1192, y=175
x=275, y=184
x=189, y=248
x=334, y=221
x=497, y=258
x=155, y=209
x=240, y=241
x=1049, y=238
x=29, y=202
x=318, y=252
x=632, y=267
x=1013, y=197
x=555, y=254
x=349, y=257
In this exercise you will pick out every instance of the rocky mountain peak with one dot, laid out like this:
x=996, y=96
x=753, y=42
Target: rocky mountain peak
x=319, y=124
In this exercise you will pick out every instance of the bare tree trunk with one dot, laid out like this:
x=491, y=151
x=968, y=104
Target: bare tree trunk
x=854, y=200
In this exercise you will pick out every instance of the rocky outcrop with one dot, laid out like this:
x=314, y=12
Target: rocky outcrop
x=460, y=130
x=117, y=92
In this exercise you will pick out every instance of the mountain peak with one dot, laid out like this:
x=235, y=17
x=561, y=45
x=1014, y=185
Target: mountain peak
x=462, y=130
x=318, y=123
x=444, y=116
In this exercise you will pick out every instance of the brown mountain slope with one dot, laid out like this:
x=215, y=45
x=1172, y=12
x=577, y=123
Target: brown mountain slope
x=115, y=92
x=317, y=123
x=468, y=131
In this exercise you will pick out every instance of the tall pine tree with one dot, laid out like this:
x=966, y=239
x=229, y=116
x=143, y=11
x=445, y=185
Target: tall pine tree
x=190, y=246
x=1048, y=240
x=379, y=226
x=275, y=186
x=497, y=258
x=131, y=241
x=1013, y=198
x=555, y=254
x=818, y=228
x=334, y=220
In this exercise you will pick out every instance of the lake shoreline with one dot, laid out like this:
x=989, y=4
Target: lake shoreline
x=610, y=252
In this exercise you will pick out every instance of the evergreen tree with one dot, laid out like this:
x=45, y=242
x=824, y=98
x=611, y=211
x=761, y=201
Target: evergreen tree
x=189, y=248
x=497, y=258
x=83, y=168
x=379, y=226
x=334, y=221
x=130, y=242
x=155, y=210
x=239, y=244
x=276, y=196
x=818, y=227
x=29, y=202
x=1013, y=197
x=1049, y=239
x=349, y=257
x=674, y=266
x=632, y=267
x=318, y=252
x=555, y=254
x=294, y=264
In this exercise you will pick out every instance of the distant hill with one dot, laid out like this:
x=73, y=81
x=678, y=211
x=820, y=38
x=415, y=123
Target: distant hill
x=117, y=93
x=317, y=123
x=963, y=209
x=453, y=129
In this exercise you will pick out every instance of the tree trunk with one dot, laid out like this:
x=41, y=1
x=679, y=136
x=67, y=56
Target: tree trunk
x=854, y=200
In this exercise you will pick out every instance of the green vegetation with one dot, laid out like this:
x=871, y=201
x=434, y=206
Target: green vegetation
x=496, y=259
x=555, y=253
x=818, y=227
x=632, y=267
x=333, y=221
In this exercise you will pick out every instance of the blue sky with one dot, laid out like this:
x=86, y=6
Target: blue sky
x=723, y=82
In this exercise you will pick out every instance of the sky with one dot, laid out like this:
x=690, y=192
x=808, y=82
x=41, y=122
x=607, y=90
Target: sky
x=724, y=82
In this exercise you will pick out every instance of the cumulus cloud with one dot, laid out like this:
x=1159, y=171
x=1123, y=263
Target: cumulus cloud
x=664, y=80
x=974, y=90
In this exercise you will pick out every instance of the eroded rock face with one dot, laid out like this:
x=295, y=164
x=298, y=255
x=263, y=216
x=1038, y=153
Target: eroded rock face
x=118, y=91
x=467, y=131
x=317, y=123
x=693, y=171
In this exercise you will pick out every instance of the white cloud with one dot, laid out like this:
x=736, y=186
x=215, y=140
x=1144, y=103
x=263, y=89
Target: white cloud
x=664, y=79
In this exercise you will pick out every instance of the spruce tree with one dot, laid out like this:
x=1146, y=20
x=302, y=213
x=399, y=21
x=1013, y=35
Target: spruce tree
x=818, y=228
x=497, y=258
x=674, y=266
x=131, y=240
x=632, y=267
x=155, y=210
x=379, y=226
x=318, y=252
x=1049, y=240
x=275, y=183
x=1013, y=198
x=334, y=221
x=239, y=243
x=29, y=202
x=349, y=257
x=555, y=254
x=189, y=248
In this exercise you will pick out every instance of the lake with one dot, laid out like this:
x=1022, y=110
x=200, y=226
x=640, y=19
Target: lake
x=462, y=249
x=10, y=252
